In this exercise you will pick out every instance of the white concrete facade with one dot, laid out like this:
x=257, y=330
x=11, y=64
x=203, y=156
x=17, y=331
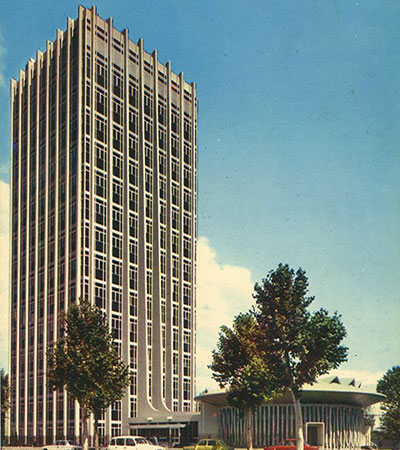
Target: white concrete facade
x=104, y=201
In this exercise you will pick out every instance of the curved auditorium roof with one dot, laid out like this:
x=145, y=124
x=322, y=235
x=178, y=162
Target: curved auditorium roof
x=330, y=390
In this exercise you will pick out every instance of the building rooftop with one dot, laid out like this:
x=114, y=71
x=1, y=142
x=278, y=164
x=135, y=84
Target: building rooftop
x=329, y=390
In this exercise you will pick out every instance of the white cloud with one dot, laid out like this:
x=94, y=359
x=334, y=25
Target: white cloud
x=223, y=291
x=4, y=272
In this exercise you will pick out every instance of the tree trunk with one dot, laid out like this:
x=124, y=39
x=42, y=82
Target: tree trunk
x=298, y=422
x=96, y=431
x=85, y=415
x=249, y=429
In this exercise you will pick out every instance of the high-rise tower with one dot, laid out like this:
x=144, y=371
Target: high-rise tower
x=103, y=156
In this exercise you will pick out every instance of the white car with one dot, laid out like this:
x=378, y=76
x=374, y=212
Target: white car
x=63, y=445
x=127, y=442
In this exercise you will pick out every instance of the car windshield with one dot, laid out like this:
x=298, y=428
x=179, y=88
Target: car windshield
x=212, y=443
x=202, y=443
x=73, y=443
x=141, y=441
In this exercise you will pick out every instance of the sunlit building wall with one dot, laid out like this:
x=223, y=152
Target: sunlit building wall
x=103, y=156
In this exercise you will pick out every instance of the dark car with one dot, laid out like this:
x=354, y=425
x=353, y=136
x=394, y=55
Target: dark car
x=184, y=444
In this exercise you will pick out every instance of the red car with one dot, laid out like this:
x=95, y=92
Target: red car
x=290, y=444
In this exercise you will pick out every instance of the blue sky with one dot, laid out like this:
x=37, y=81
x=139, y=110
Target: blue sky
x=299, y=162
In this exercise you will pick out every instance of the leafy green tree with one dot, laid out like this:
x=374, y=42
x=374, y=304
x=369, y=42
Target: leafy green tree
x=5, y=400
x=368, y=417
x=389, y=385
x=239, y=365
x=85, y=363
x=298, y=345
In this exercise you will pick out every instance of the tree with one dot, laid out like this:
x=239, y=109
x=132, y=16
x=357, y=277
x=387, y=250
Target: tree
x=85, y=363
x=389, y=385
x=298, y=345
x=240, y=366
x=5, y=400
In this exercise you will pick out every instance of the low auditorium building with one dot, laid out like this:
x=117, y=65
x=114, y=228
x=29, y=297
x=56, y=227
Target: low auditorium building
x=334, y=416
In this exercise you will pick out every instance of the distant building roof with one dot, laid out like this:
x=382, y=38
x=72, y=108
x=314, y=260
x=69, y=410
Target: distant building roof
x=329, y=390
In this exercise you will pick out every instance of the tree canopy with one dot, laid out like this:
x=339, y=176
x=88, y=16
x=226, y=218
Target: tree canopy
x=300, y=345
x=5, y=399
x=281, y=339
x=239, y=365
x=85, y=362
x=5, y=391
x=389, y=385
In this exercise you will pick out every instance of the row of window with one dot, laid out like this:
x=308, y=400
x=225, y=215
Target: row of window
x=101, y=77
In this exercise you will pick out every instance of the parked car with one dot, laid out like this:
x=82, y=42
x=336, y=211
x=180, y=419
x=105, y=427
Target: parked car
x=127, y=442
x=187, y=447
x=209, y=444
x=184, y=444
x=63, y=445
x=290, y=444
x=154, y=440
